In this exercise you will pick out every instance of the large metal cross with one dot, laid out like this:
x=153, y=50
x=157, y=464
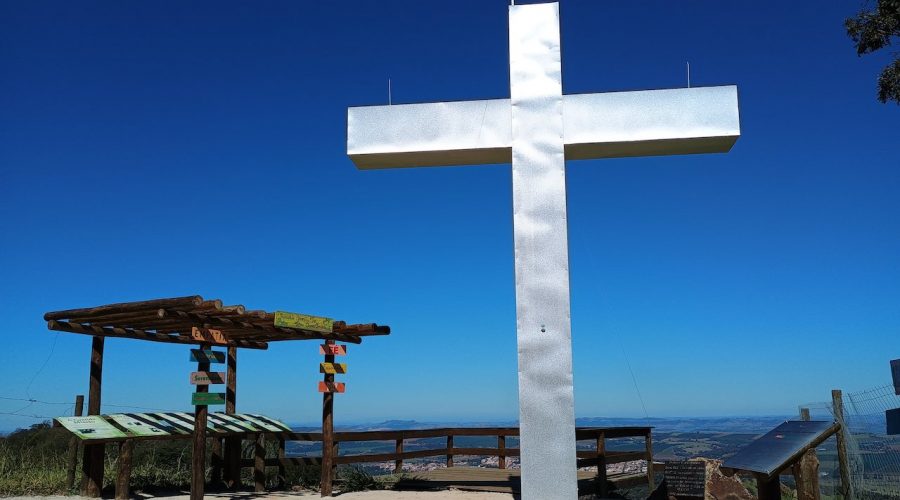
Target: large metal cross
x=537, y=129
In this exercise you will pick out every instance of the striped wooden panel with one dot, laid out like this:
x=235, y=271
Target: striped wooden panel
x=332, y=368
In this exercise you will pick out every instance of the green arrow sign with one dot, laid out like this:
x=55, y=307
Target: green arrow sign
x=207, y=398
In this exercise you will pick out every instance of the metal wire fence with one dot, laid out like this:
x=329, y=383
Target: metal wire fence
x=873, y=456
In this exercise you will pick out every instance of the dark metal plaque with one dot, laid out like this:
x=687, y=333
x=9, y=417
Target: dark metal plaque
x=772, y=451
x=893, y=421
x=686, y=479
x=895, y=373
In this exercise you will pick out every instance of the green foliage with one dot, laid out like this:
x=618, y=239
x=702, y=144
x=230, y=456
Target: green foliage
x=872, y=30
x=355, y=479
x=33, y=462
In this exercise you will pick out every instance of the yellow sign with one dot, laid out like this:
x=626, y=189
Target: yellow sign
x=303, y=322
x=332, y=368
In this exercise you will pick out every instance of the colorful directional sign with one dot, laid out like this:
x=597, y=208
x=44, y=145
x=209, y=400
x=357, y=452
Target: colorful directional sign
x=207, y=378
x=207, y=398
x=206, y=356
x=332, y=386
x=90, y=427
x=333, y=349
x=332, y=368
x=208, y=335
x=303, y=322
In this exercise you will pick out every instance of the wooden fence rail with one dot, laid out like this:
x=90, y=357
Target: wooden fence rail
x=598, y=456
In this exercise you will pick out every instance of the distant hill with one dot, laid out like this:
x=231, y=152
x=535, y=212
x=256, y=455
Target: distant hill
x=743, y=425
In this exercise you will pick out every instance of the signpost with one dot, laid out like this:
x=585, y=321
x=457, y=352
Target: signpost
x=304, y=322
x=537, y=129
x=200, y=400
x=327, y=386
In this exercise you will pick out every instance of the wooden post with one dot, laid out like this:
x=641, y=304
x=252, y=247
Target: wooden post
x=837, y=401
x=259, y=465
x=398, y=463
x=601, y=465
x=501, y=451
x=123, y=470
x=198, y=457
x=215, y=460
x=328, y=453
x=282, y=480
x=450, y=450
x=806, y=470
x=232, y=473
x=649, y=444
x=769, y=489
x=93, y=454
x=72, y=454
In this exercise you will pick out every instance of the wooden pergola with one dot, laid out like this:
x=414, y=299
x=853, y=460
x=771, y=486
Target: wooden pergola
x=194, y=321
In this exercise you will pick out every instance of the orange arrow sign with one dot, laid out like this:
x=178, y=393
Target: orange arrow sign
x=332, y=386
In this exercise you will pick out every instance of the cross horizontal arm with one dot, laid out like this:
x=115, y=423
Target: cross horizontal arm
x=603, y=125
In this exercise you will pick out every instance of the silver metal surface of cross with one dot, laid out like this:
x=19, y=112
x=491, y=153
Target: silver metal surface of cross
x=536, y=130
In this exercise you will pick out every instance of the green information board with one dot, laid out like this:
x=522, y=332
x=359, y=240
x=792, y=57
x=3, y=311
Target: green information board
x=207, y=398
x=90, y=427
x=141, y=426
x=148, y=425
x=303, y=322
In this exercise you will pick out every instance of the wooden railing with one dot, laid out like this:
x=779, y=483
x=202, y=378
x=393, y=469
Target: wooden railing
x=597, y=456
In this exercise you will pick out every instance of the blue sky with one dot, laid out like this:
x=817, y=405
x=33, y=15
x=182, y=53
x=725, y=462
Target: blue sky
x=161, y=149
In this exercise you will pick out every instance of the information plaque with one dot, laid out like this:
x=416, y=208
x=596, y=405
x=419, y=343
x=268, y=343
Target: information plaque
x=303, y=322
x=892, y=418
x=775, y=450
x=686, y=479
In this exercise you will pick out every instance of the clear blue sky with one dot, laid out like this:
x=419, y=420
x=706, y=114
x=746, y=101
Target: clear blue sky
x=161, y=149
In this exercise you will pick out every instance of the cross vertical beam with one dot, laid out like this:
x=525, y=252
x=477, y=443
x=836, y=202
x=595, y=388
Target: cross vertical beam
x=537, y=129
x=543, y=332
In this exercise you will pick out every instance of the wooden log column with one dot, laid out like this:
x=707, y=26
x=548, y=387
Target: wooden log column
x=806, y=471
x=769, y=489
x=232, y=443
x=198, y=456
x=837, y=401
x=259, y=464
x=93, y=455
x=601, y=465
x=649, y=444
x=123, y=471
x=328, y=431
x=501, y=451
x=450, y=450
x=72, y=454
x=398, y=464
